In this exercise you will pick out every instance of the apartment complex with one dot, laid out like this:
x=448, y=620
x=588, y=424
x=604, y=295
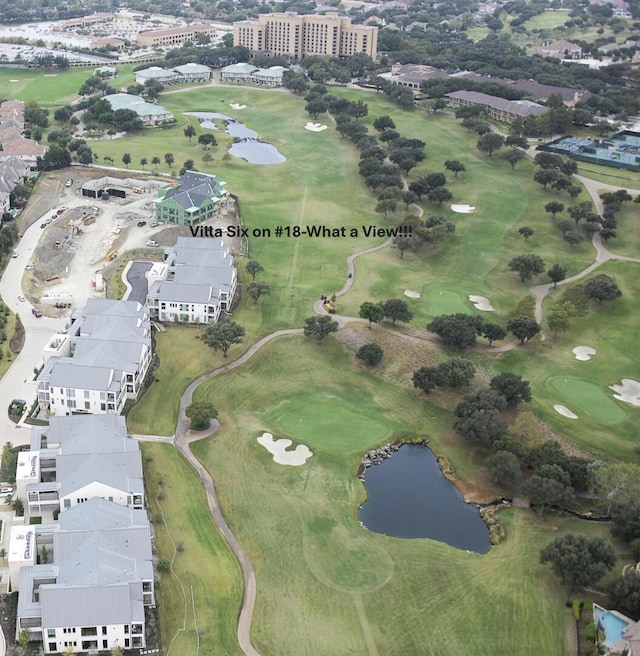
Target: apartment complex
x=185, y=74
x=195, y=283
x=148, y=113
x=100, y=362
x=497, y=108
x=175, y=36
x=297, y=36
x=85, y=579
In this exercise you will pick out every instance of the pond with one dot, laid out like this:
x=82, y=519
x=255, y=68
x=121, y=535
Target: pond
x=409, y=497
x=249, y=145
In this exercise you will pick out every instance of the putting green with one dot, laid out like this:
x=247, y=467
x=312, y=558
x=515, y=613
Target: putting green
x=586, y=398
x=439, y=301
x=328, y=422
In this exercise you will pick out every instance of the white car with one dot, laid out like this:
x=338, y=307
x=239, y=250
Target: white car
x=152, y=243
x=5, y=491
x=22, y=299
x=30, y=267
x=14, y=255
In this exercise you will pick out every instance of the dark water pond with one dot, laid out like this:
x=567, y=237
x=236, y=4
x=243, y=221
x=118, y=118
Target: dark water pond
x=249, y=147
x=408, y=497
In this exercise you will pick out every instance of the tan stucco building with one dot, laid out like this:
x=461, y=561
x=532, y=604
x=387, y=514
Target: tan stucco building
x=174, y=36
x=298, y=36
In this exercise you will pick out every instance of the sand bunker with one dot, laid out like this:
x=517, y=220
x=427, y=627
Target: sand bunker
x=565, y=412
x=481, y=303
x=411, y=294
x=315, y=127
x=629, y=391
x=278, y=448
x=14, y=80
x=583, y=353
x=462, y=209
x=237, y=106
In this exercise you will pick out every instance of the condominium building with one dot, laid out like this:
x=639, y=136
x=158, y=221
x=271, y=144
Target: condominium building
x=100, y=362
x=175, y=36
x=297, y=36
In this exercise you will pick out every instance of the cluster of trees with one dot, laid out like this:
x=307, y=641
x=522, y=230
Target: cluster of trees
x=460, y=331
x=455, y=373
x=414, y=232
x=395, y=309
x=556, y=171
x=99, y=114
x=256, y=288
x=433, y=186
x=320, y=326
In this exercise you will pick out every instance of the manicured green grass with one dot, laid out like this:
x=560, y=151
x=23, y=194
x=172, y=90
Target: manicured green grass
x=325, y=585
x=586, y=398
x=437, y=300
x=610, y=328
x=627, y=241
x=203, y=592
x=52, y=89
x=549, y=20
x=321, y=423
x=609, y=175
x=183, y=357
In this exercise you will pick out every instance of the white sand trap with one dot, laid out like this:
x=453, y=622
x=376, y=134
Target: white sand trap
x=279, y=447
x=315, y=127
x=629, y=391
x=481, y=303
x=565, y=412
x=583, y=353
x=411, y=294
x=14, y=80
x=237, y=106
x=463, y=209
x=51, y=75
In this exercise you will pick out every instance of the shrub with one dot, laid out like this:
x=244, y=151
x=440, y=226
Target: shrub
x=370, y=354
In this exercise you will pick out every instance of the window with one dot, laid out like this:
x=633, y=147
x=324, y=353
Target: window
x=51, y=633
x=126, y=628
x=86, y=394
x=87, y=405
x=105, y=644
x=67, y=504
x=126, y=642
x=128, y=500
x=104, y=630
x=53, y=646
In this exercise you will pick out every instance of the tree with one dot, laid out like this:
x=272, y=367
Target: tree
x=189, y=132
x=169, y=159
x=207, y=140
x=516, y=141
x=370, y=354
x=385, y=206
x=258, y=289
x=439, y=195
x=143, y=162
x=397, y=309
x=126, y=159
x=207, y=157
x=155, y=160
x=527, y=266
x=601, y=289
x=573, y=238
x=477, y=417
x=454, y=166
x=372, y=312
x=504, y=467
x=523, y=327
x=253, y=268
x=578, y=560
x=493, y=332
x=526, y=232
x=220, y=336
x=457, y=330
x=514, y=156
x=188, y=165
x=624, y=592
x=384, y=122
x=320, y=327
x=201, y=413
x=514, y=389
x=554, y=207
x=545, y=177
x=618, y=485
x=426, y=379
x=456, y=373
x=557, y=273
x=558, y=317
x=543, y=491
x=490, y=142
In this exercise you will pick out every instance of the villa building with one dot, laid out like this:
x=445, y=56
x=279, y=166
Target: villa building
x=175, y=36
x=249, y=74
x=148, y=113
x=195, y=199
x=497, y=108
x=100, y=362
x=297, y=36
x=84, y=579
x=195, y=283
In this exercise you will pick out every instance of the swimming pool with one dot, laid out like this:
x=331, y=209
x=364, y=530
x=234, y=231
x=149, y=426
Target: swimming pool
x=612, y=623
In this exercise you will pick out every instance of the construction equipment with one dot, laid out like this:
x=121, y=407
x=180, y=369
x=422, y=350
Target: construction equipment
x=111, y=255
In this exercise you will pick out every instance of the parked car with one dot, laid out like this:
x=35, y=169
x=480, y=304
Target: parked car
x=152, y=243
x=14, y=255
x=142, y=224
x=155, y=224
x=43, y=225
x=5, y=492
x=30, y=267
x=61, y=305
x=36, y=313
x=69, y=182
x=22, y=299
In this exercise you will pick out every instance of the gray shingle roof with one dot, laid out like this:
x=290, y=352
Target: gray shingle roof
x=517, y=107
x=120, y=471
x=194, y=189
x=100, y=514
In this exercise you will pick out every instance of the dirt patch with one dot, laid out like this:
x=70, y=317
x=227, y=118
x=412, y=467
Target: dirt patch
x=17, y=340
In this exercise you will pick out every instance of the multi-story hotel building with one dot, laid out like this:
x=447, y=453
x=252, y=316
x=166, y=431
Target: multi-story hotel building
x=298, y=36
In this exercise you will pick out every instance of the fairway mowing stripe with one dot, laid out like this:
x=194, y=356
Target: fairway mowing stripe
x=296, y=245
x=364, y=623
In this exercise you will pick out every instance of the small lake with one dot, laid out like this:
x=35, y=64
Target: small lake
x=249, y=147
x=409, y=497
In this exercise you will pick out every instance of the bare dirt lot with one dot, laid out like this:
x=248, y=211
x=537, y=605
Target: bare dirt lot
x=83, y=237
